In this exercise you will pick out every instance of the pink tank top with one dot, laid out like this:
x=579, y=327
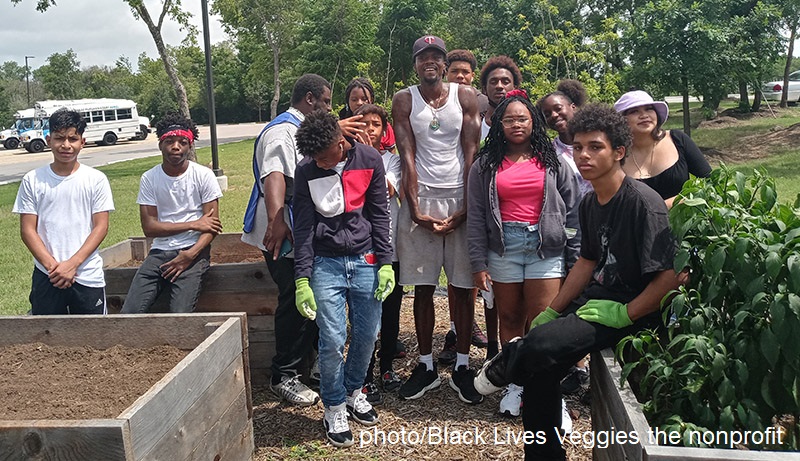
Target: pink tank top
x=520, y=187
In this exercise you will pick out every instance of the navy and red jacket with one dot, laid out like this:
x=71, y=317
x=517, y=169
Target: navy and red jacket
x=341, y=215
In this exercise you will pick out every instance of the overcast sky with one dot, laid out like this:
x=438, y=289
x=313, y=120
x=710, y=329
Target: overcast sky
x=99, y=31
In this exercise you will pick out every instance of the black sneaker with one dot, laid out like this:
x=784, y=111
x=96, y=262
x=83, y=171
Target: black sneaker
x=576, y=381
x=492, y=375
x=359, y=409
x=337, y=430
x=373, y=394
x=420, y=381
x=448, y=354
x=462, y=381
x=390, y=381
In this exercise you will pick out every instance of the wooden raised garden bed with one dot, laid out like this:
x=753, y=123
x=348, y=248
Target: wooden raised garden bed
x=238, y=281
x=201, y=409
x=617, y=410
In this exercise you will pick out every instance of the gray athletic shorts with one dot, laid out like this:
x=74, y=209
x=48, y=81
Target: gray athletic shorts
x=422, y=253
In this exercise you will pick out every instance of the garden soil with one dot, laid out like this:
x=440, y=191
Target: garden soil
x=38, y=381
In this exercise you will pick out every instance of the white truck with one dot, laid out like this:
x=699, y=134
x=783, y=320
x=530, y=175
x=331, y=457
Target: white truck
x=23, y=120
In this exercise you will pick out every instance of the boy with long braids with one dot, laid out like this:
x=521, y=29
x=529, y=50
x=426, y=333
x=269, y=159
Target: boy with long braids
x=179, y=209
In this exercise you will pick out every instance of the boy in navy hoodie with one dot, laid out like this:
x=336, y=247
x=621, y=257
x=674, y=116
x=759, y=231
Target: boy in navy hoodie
x=343, y=256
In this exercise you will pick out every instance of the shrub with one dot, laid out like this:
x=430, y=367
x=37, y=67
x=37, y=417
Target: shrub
x=729, y=358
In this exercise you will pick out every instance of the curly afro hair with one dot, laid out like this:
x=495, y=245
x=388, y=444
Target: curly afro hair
x=602, y=117
x=176, y=120
x=498, y=62
x=462, y=55
x=572, y=90
x=319, y=130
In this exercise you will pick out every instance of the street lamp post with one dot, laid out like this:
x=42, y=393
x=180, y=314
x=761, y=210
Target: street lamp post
x=27, y=81
x=212, y=116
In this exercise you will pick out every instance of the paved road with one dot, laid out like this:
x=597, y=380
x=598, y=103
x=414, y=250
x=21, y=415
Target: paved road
x=15, y=163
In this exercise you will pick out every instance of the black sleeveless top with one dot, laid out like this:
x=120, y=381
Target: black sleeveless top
x=669, y=182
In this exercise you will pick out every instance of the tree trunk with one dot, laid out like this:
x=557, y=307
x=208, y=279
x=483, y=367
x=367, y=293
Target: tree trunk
x=744, y=98
x=756, y=98
x=788, y=67
x=687, y=119
x=172, y=73
x=276, y=67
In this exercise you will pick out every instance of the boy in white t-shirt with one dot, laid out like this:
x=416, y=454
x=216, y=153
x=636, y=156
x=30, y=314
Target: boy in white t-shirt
x=63, y=210
x=179, y=209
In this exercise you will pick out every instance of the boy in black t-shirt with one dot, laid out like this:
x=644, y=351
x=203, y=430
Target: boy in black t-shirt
x=614, y=289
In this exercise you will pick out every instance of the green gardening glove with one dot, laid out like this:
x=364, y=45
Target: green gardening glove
x=385, y=282
x=304, y=299
x=545, y=316
x=609, y=313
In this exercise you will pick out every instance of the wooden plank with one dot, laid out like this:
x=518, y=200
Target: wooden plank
x=231, y=428
x=63, y=440
x=260, y=376
x=184, y=331
x=179, y=441
x=164, y=404
x=659, y=453
x=241, y=446
x=116, y=254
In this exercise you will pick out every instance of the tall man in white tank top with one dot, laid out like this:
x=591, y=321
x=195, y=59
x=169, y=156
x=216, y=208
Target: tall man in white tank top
x=437, y=129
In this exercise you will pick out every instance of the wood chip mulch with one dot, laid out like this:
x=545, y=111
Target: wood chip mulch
x=406, y=427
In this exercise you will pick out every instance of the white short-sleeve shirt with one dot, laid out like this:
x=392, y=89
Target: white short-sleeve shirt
x=64, y=206
x=178, y=199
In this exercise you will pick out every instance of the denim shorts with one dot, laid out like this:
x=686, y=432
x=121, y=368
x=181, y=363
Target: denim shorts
x=521, y=261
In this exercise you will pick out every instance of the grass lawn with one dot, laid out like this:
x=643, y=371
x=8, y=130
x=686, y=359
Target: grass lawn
x=235, y=159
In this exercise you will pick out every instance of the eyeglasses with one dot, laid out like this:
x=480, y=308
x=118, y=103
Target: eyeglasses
x=509, y=122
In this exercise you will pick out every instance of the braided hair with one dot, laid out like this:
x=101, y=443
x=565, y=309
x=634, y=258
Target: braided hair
x=358, y=82
x=493, y=151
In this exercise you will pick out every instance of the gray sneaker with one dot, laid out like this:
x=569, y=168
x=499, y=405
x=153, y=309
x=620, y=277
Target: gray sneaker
x=293, y=391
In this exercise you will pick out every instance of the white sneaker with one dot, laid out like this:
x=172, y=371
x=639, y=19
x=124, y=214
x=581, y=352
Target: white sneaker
x=295, y=392
x=359, y=409
x=511, y=401
x=566, y=418
x=337, y=429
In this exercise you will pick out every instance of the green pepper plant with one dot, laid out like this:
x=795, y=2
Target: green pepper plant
x=729, y=358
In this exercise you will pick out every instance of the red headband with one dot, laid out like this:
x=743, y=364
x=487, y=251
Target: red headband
x=185, y=133
x=517, y=92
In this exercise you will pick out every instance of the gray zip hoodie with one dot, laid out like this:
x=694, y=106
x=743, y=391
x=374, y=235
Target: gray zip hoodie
x=559, y=232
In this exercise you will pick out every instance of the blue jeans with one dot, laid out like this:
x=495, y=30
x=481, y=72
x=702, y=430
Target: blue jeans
x=337, y=281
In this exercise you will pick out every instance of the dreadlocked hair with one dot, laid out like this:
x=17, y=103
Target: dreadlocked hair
x=493, y=151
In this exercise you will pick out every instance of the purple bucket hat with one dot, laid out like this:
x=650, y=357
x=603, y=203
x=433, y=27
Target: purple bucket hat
x=640, y=98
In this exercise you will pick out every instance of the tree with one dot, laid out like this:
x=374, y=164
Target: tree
x=61, y=76
x=791, y=17
x=171, y=8
x=272, y=22
x=339, y=49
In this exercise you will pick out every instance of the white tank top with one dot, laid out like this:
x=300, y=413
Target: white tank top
x=439, y=157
